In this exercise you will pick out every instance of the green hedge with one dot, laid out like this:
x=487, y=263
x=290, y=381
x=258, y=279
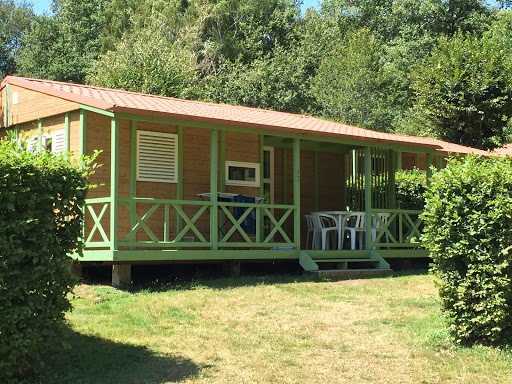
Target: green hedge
x=40, y=223
x=410, y=189
x=468, y=230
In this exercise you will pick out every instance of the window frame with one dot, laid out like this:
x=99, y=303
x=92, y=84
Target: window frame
x=243, y=183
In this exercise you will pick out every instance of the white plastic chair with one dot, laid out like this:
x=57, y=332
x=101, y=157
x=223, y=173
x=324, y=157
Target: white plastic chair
x=324, y=224
x=354, y=224
x=311, y=230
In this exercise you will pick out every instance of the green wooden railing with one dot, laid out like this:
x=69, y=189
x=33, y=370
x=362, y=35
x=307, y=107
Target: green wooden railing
x=177, y=222
x=95, y=209
x=402, y=229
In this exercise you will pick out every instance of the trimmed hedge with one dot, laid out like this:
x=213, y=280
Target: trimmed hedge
x=40, y=223
x=468, y=230
x=410, y=187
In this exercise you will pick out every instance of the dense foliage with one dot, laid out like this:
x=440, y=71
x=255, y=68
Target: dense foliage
x=468, y=230
x=410, y=188
x=40, y=196
x=436, y=68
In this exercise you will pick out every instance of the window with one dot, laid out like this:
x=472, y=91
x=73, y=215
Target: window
x=54, y=142
x=157, y=155
x=242, y=174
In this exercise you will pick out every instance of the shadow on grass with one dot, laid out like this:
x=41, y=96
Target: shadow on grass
x=93, y=360
x=219, y=283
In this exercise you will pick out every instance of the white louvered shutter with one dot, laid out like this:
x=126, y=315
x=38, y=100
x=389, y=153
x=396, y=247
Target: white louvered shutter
x=58, y=142
x=157, y=157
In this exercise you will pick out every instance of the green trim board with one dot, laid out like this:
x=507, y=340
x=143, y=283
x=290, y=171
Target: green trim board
x=97, y=110
x=428, y=164
x=39, y=135
x=367, y=194
x=114, y=183
x=66, y=132
x=133, y=170
x=296, y=190
x=285, y=175
x=307, y=145
x=214, y=211
x=222, y=161
x=208, y=255
x=439, y=162
x=83, y=123
x=181, y=177
x=261, y=189
x=315, y=180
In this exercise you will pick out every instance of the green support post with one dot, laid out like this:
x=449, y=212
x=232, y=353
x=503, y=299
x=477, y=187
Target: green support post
x=222, y=161
x=16, y=131
x=398, y=160
x=296, y=191
x=66, y=132
x=367, y=197
x=439, y=162
x=285, y=176
x=343, y=180
x=114, y=183
x=39, y=135
x=214, y=211
x=391, y=179
x=259, y=212
x=315, y=179
x=7, y=106
x=133, y=174
x=83, y=123
x=179, y=189
x=428, y=164
x=416, y=160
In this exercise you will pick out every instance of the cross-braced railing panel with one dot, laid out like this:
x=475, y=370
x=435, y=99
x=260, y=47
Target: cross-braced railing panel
x=270, y=226
x=166, y=223
x=163, y=223
x=96, y=229
x=402, y=229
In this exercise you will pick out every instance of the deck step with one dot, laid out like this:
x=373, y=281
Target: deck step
x=345, y=260
x=349, y=274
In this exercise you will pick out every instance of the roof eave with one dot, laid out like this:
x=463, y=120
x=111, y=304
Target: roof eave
x=299, y=131
x=79, y=99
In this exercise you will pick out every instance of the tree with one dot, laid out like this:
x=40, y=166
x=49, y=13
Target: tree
x=464, y=90
x=65, y=45
x=148, y=63
x=15, y=18
x=353, y=84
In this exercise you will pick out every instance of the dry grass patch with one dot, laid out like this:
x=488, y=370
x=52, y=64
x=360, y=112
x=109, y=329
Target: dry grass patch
x=281, y=331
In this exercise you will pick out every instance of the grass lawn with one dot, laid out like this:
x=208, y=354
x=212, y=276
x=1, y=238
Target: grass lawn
x=268, y=330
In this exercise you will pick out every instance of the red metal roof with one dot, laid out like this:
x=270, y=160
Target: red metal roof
x=503, y=151
x=144, y=104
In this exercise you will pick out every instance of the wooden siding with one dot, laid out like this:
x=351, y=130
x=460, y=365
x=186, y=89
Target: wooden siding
x=2, y=109
x=196, y=172
x=34, y=105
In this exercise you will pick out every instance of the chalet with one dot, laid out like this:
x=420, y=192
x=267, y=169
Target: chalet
x=193, y=181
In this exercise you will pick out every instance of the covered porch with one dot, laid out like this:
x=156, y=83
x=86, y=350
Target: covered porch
x=297, y=174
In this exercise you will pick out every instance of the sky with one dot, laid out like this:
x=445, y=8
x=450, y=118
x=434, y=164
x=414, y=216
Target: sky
x=41, y=6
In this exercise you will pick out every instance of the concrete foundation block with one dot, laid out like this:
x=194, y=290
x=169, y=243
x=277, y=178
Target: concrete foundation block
x=121, y=275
